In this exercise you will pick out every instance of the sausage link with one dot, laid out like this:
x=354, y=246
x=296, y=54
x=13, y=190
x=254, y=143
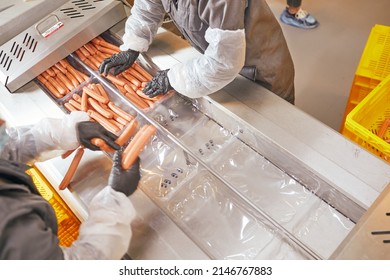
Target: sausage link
x=98, y=108
x=137, y=75
x=95, y=95
x=119, y=111
x=136, y=145
x=72, y=169
x=142, y=71
x=70, y=107
x=131, y=79
x=102, y=145
x=103, y=121
x=127, y=133
x=84, y=101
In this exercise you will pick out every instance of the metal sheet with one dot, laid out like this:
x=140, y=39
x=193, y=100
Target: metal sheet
x=66, y=29
x=370, y=238
x=18, y=15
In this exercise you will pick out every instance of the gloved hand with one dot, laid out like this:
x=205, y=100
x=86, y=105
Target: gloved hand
x=120, y=62
x=158, y=85
x=88, y=130
x=121, y=180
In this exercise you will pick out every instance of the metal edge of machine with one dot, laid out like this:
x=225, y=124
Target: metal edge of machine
x=64, y=41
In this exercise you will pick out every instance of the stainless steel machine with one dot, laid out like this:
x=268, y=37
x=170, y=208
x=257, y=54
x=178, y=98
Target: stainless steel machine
x=240, y=174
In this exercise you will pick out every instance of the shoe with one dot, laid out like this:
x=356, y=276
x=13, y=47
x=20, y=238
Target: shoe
x=302, y=19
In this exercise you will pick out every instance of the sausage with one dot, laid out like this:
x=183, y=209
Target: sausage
x=101, y=56
x=127, y=133
x=137, y=75
x=129, y=89
x=59, y=86
x=136, y=145
x=64, y=79
x=141, y=94
x=98, y=108
x=61, y=90
x=72, y=169
x=136, y=100
x=61, y=83
x=102, y=92
x=70, y=107
x=100, y=41
x=49, y=86
x=84, y=101
x=67, y=153
x=106, y=50
x=91, y=48
x=116, y=80
x=73, y=71
x=80, y=55
x=131, y=79
x=119, y=119
x=90, y=64
x=75, y=104
x=94, y=61
x=118, y=124
x=384, y=127
x=142, y=71
x=103, y=121
x=76, y=97
x=73, y=80
x=85, y=52
x=50, y=72
x=119, y=111
x=95, y=95
x=59, y=67
x=102, y=145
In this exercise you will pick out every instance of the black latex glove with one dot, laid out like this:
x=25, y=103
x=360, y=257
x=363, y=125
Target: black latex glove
x=158, y=85
x=121, y=180
x=120, y=62
x=88, y=130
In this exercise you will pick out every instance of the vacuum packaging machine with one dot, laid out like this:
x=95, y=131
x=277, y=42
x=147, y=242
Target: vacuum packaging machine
x=240, y=174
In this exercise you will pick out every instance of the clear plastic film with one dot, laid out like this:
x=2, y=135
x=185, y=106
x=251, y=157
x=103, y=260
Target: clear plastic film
x=224, y=222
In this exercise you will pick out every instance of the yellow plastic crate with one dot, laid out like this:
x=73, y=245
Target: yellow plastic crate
x=367, y=118
x=375, y=60
x=373, y=67
x=68, y=223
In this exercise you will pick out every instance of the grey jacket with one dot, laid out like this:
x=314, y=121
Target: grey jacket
x=28, y=225
x=267, y=57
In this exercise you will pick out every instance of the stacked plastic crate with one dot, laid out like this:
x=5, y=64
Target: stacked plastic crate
x=373, y=68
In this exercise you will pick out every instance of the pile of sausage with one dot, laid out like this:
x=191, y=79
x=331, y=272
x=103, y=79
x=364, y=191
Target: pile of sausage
x=95, y=101
x=130, y=82
x=62, y=78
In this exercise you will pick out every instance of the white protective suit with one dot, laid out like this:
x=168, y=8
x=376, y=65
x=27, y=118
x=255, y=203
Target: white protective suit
x=234, y=36
x=104, y=235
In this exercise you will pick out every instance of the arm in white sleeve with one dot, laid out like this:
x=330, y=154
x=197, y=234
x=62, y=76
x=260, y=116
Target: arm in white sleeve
x=106, y=233
x=217, y=67
x=141, y=26
x=28, y=143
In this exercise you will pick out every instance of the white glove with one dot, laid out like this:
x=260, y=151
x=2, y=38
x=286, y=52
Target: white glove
x=58, y=134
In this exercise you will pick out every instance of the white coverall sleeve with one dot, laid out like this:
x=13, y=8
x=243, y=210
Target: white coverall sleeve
x=45, y=139
x=106, y=233
x=218, y=66
x=141, y=26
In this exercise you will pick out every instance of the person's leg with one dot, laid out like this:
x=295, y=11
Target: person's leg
x=295, y=16
x=294, y=6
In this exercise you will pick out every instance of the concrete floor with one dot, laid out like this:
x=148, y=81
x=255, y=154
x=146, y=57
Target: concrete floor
x=326, y=57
